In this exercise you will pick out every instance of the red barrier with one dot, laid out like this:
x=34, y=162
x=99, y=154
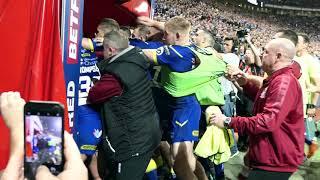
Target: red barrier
x=125, y=13
x=30, y=55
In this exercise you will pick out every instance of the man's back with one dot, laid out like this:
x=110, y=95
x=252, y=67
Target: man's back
x=131, y=119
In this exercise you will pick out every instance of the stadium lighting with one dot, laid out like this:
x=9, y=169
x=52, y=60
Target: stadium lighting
x=255, y=2
x=143, y=7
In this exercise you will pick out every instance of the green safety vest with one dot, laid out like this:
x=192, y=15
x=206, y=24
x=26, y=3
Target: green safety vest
x=202, y=81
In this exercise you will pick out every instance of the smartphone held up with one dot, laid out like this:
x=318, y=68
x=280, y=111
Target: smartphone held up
x=43, y=137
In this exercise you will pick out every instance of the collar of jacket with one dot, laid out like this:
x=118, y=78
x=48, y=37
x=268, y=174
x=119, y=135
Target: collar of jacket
x=276, y=73
x=121, y=53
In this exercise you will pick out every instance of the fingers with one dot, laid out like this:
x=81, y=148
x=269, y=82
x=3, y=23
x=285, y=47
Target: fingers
x=11, y=107
x=11, y=99
x=233, y=73
x=232, y=70
x=3, y=100
x=44, y=173
x=215, y=118
x=71, y=153
x=12, y=96
x=144, y=20
x=310, y=90
x=74, y=166
x=212, y=120
x=99, y=39
x=211, y=112
x=313, y=89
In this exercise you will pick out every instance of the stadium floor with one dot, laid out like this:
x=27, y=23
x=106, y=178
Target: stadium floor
x=309, y=170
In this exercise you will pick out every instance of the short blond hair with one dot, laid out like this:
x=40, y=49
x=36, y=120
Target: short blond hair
x=108, y=25
x=178, y=25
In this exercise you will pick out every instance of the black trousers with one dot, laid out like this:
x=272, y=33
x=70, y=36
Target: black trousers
x=133, y=168
x=259, y=174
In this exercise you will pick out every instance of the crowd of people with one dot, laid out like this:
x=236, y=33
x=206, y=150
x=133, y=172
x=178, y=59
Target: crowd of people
x=225, y=19
x=297, y=3
x=251, y=92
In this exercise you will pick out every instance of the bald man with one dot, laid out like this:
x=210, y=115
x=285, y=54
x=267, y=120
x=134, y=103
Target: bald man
x=276, y=131
x=204, y=39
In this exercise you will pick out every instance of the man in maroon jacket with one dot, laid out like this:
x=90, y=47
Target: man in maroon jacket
x=276, y=130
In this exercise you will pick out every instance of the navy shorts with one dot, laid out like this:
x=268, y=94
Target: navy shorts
x=87, y=130
x=185, y=123
x=179, y=117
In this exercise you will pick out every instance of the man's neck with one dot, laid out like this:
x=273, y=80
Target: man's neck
x=184, y=42
x=278, y=67
x=119, y=53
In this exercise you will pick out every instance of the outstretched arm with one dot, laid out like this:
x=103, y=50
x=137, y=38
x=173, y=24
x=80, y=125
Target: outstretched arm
x=151, y=55
x=257, y=59
x=11, y=108
x=150, y=22
x=250, y=83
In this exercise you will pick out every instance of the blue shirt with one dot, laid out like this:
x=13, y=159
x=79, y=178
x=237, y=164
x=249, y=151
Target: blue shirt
x=88, y=70
x=97, y=46
x=145, y=45
x=176, y=58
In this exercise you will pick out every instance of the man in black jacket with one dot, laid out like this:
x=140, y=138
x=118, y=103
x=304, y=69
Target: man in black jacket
x=130, y=121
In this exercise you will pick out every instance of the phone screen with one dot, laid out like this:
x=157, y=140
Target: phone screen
x=43, y=138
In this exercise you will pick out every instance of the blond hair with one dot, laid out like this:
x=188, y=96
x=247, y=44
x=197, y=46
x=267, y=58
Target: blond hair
x=108, y=25
x=178, y=25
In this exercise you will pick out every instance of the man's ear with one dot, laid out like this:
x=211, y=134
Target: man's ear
x=204, y=40
x=111, y=49
x=178, y=35
x=279, y=55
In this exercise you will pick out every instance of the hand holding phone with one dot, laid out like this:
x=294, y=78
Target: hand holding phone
x=74, y=167
x=11, y=109
x=43, y=132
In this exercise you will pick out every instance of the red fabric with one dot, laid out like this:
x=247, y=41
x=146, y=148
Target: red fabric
x=107, y=87
x=296, y=69
x=124, y=13
x=138, y=7
x=276, y=132
x=31, y=57
x=45, y=78
x=250, y=89
x=14, y=39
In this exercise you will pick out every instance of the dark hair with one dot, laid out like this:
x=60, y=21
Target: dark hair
x=289, y=34
x=305, y=37
x=234, y=42
x=230, y=39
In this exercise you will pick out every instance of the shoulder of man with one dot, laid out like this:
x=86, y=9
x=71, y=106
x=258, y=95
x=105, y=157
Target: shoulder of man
x=285, y=78
x=174, y=51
